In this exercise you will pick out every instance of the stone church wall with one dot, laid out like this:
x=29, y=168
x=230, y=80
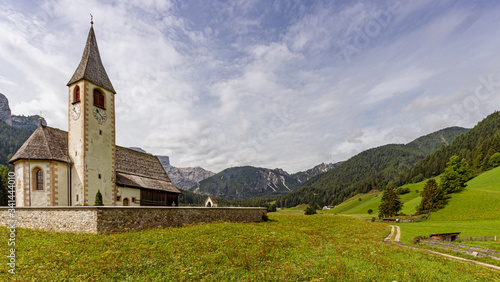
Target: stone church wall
x=99, y=220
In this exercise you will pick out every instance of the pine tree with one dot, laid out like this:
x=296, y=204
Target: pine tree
x=390, y=203
x=433, y=197
x=4, y=187
x=98, y=199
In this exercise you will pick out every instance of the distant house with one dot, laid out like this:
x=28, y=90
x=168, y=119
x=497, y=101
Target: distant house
x=390, y=219
x=211, y=202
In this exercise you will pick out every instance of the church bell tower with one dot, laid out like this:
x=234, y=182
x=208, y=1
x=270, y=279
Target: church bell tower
x=91, y=130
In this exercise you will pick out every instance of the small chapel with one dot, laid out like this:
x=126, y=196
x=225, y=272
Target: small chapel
x=58, y=168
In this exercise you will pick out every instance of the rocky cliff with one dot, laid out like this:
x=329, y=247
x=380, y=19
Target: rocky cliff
x=24, y=122
x=5, y=113
x=303, y=176
x=183, y=178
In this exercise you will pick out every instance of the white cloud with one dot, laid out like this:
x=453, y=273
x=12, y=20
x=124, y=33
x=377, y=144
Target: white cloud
x=218, y=84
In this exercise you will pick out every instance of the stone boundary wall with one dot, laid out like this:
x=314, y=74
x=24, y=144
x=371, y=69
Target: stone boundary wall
x=103, y=220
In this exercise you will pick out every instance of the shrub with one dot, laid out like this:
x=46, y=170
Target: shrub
x=360, y=199
x=402, y=190
x=455, y=176
x=417, y=239
x=373, y=219
x=271, y=208
x=98, y=199
x=417, y=178
x=310, y=210
x=370, y=211
x=265, y=217
x=495, y=160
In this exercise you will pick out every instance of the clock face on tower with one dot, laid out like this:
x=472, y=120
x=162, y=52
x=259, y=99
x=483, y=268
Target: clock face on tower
x=100, y=115
x=75, y=111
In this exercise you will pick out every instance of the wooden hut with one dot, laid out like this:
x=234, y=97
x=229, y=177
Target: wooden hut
x=444, y=236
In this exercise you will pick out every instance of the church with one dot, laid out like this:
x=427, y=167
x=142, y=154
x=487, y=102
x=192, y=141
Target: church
x=59, y=168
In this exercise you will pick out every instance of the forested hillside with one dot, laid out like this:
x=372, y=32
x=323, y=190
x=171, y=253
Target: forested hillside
x=476, y=146
x=11, y=139
x=372, y=169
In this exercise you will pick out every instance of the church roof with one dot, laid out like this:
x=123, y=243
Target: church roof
x=46, y=143
x=141, y=170
x=91, y=67
x=133, y=169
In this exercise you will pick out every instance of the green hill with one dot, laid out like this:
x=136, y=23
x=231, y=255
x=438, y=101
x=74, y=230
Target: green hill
x=358, y=208
x=480, y=200
x=475, y=212
x=371, y=169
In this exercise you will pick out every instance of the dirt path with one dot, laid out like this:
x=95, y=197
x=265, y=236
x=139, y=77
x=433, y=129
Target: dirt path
x=398, y=236
x=388, y=238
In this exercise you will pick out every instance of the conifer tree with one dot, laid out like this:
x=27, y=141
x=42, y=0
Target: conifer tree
x=433, y=197
x=390, y=203
x=98, y=199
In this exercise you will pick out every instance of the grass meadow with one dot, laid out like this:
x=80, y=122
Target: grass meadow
x=475, y=211
x=287, y=248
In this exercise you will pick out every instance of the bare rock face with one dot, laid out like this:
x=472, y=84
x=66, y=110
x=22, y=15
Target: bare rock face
x=5, y=113
x=185, y=178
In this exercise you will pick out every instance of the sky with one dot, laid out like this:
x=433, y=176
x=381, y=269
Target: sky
x=275, y=84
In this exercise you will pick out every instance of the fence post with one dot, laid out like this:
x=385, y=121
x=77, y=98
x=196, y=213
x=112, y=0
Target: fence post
x=484, y=239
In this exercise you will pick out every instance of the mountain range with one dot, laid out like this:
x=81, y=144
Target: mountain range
x=325, y=184
x=395, y=165
x=250, y=182
x=373, y=169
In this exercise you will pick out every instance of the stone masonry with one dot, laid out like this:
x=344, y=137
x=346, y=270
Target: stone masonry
x=103, y=220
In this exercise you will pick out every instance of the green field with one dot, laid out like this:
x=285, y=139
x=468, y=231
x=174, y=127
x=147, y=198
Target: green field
x=287, y=248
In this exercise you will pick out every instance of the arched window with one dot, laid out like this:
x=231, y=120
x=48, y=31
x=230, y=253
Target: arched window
x=76, y=94
x=39, y=179
x=98, y=99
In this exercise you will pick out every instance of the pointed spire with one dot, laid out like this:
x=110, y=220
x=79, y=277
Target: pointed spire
x=91, y=67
